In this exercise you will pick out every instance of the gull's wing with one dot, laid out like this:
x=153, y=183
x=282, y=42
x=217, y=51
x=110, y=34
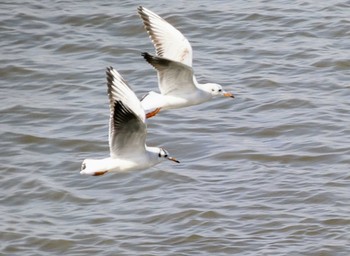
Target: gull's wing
x=174, y=78
x=169, y=42
x=127, y=128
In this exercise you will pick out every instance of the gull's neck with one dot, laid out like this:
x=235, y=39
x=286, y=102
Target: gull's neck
x=202, y=87
x=204, y=92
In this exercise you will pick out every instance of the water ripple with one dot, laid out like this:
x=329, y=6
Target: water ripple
x=263, y=174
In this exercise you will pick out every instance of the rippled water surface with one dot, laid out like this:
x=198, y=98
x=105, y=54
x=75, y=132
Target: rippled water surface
x=264, y=174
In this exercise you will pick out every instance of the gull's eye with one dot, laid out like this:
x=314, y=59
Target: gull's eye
x=83, y=166
x=220, y=90
x=165, y=155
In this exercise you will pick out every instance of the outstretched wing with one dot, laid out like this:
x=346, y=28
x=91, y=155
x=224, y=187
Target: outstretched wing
x=169, y=42
x=127, y=128
x=174, y=78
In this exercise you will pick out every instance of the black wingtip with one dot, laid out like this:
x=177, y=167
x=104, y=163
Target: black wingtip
x=146, y=55
x=109, y=72
x=155, y=61
x=109, y=76
x=140, y=10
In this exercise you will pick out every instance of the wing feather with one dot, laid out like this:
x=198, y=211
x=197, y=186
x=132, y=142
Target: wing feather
x=169, y=42
x=174, y=78
x=127, y=128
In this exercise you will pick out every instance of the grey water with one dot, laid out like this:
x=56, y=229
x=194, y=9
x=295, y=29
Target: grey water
x=266, y=173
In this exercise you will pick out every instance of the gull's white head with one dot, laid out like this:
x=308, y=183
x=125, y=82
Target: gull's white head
x=216, y=90
x=161, y=154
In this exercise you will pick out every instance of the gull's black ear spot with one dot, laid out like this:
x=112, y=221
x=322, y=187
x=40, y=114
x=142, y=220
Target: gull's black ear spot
x=83, y=166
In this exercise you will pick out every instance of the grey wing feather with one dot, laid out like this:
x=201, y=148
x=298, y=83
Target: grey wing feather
x=127, y=129
x=169, y=42
x=174, y=77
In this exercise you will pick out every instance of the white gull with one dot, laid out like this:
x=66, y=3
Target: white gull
x=177, y=84
x=127, y=133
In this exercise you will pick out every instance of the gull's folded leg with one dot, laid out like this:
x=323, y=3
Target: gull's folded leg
x=153, y=113
x=99, y=173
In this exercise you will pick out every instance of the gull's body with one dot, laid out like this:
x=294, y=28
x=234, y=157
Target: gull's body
x=127, y=133
x=177, y=84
